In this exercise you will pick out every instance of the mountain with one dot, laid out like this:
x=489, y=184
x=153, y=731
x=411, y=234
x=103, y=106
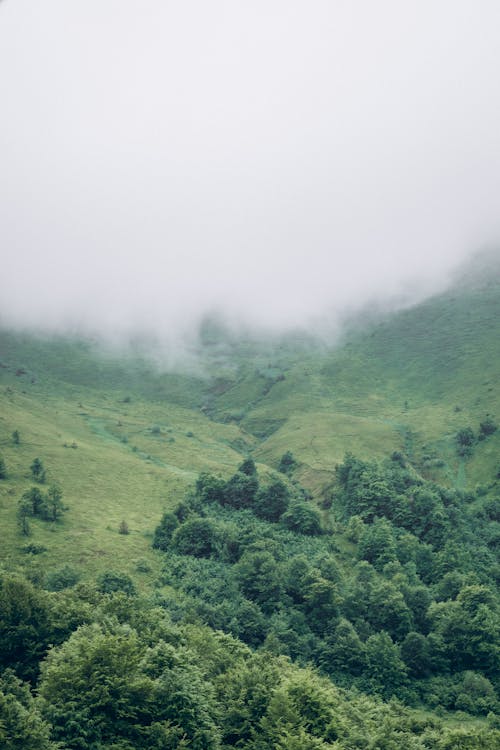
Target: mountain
x=293, y=494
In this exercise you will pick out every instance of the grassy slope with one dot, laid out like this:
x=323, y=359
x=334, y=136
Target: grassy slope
x=132, y=460
x=409, y=383
x=142, y=437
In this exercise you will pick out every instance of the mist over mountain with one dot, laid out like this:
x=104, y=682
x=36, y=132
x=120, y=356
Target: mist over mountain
x=278, y=165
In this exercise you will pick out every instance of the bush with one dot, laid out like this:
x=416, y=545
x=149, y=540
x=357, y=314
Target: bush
x=240, y=491
x=33, y=549
x=487, y=427
x=270, y=503
x=287, y=463
x=38, y=470
x=302, y=518
x=111, y=581
x=164, y=531
x=63, y=578
x=200, y=537
x=465, y=439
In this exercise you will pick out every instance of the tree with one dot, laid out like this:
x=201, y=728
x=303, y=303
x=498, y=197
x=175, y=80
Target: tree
x=21, y=725
x=387, y=672
x=465, y=440
x=377, y=544
x=3, y=470
x=164, y=530
x=62, y=578
x=210, y=488
x=470, y=629
x=24, y=511
x=272, y=501
x=111, y=582
x=487, y=427
x=16, y=437
x=200, y=537
x=415, y=654
x=248, y=467
x=258, y=577
x=344, y=651
x=104, y=688
x=34, y=498
x=25, y=625
x=303, y=518
x=38, y=470
x=54, y=502
x=240, y=490
x=287, y=463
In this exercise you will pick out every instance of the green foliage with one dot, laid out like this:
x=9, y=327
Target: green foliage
x=272, y=501
x=164, y=530
x=104, y=687
x=343, y=651
x=487, y=427
x=111, y=582
x=248, y=467
x=258, y=577
x=465, y=439
x=53, y=502
x=38, y=470
x=33, y=503
x=3, y=469
x=240, y=490
x=302, y=518
x=210, y=488
x=200, y=537
x=287, y=463
x=377, y=544
x=428, y=574
x=470, y=630
x=21, y=725
x=476, y=695
x=386, y=671
x=25, y=625
x=62, y=578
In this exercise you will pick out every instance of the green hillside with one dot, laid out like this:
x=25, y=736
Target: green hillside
x=408, y=382
x=161, y=503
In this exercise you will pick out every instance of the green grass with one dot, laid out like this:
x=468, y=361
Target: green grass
x=104, y=479
x=408, y=382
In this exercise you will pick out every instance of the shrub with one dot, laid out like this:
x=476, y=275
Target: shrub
x=287, y=463
x=465, y=439
x=270, y=503
x=38, y=470
x=33, y=549
x=487, y=427
x=111, y=581
x=200, y=537
x=63, y=578
x=164, y=531
x=302, y=518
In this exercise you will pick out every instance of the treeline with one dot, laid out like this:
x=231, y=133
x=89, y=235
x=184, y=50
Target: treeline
x=84, y=669
x=394, y=592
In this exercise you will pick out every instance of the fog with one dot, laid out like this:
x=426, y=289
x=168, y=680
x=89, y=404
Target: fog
x=276, y=162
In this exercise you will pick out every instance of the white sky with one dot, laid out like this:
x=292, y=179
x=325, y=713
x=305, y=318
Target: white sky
x=275, y=159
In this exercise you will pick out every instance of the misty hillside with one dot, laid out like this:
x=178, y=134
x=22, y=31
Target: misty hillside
x=332, y=510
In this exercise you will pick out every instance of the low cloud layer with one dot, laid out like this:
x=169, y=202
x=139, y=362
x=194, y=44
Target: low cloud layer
x=274, y=161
